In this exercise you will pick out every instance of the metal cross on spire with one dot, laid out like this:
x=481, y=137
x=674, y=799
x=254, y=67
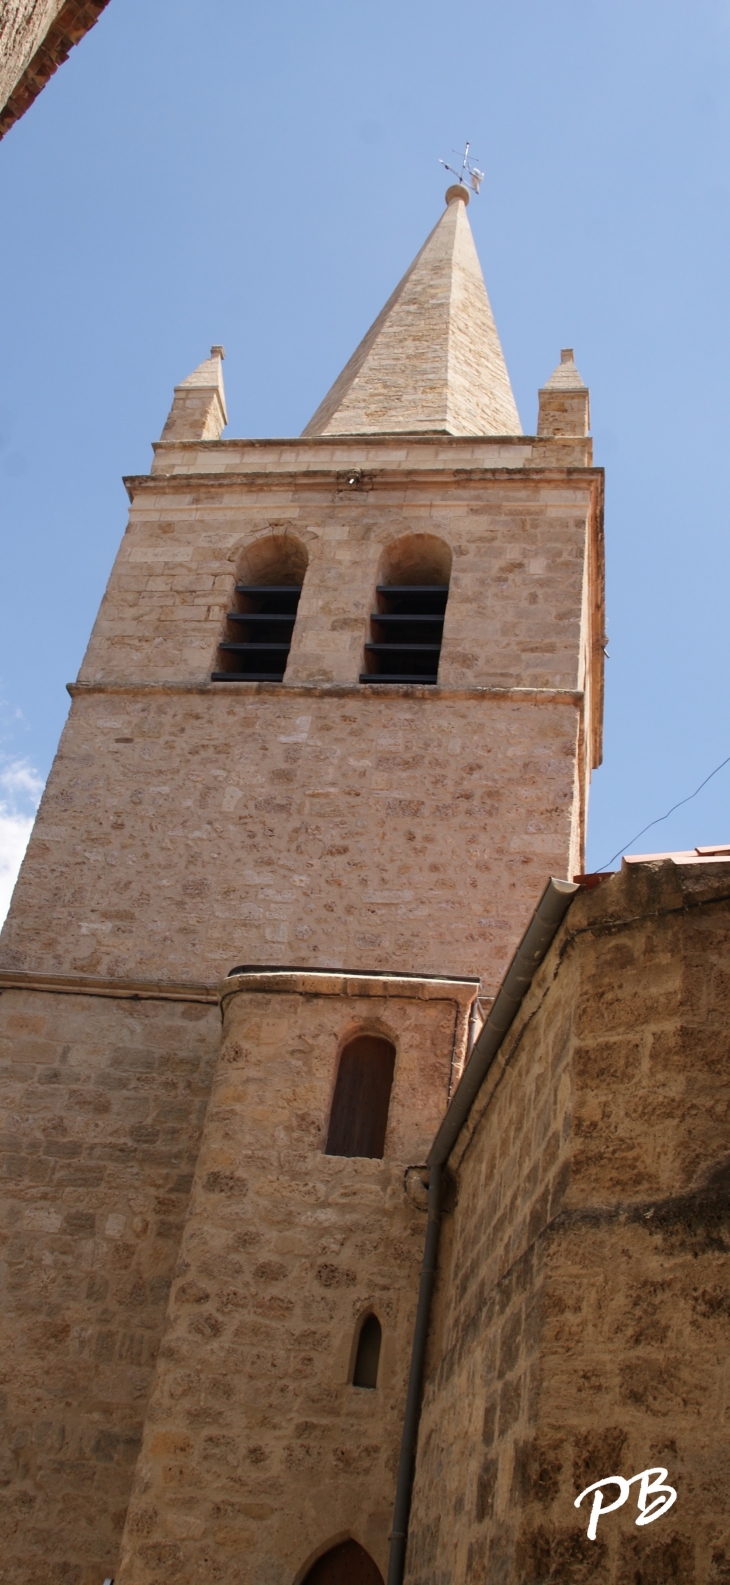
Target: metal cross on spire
x=468, y=169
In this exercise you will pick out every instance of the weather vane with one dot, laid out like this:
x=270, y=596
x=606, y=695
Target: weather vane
x=476, y=177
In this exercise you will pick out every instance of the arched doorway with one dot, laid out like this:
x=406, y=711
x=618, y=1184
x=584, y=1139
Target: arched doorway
x=346, y=1564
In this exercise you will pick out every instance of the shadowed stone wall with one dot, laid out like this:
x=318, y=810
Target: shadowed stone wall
x=581, y=1325
x=102, y=1104
x=258, y=1451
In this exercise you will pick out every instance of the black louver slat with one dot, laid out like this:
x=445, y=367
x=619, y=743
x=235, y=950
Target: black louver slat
x=259, y=633
x=406, y=634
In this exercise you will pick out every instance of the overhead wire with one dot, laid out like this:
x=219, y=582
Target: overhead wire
x=669, y=812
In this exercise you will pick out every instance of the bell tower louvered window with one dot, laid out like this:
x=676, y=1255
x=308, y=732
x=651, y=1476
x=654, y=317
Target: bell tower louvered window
x=406, y=628
x=259, y=628
x=259, y=633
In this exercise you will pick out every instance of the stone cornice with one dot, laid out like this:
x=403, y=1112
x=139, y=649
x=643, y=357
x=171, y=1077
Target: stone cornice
x=356, y=690
x=334, y=479
x=93, y=985
x=295, y=982
x=336, y=982
x=395, y=440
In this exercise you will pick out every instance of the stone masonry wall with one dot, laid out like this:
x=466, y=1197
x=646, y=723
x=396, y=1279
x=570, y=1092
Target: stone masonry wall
x=581, y=1327
x=226, y=819
x=258, y=1452
x=516, y=612
x=189, y=827
x=102, y=1103
x=180, y=836
x=23, y=25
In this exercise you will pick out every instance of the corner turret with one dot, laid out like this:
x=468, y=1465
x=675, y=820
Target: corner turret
x=564, y=401
x=198, y=409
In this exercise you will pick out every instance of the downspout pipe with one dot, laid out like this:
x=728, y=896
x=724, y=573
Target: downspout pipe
x=538, y=937
x=406, y=1462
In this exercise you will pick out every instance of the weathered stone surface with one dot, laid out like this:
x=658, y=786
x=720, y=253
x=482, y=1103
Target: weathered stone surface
x=258, y=1447
x=581, y=1326
x=191, y=826
x=564, y=401
x=198, y=409
x=432, y=360
x=413, y=834
x=102, y=1105
x=227, y=818
x=35, y=38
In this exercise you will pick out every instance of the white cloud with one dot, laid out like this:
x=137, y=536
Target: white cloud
x=19, y=779
x=20, y=791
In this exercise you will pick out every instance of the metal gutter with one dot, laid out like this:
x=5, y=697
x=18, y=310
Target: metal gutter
x=352, y=974
x=406, y=1462
x=550, y=912
x=540, y=933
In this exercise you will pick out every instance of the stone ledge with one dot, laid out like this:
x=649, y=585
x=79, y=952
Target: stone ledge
x=335, y=982
x=91, y=985
x=329, y=478
x=334, y=690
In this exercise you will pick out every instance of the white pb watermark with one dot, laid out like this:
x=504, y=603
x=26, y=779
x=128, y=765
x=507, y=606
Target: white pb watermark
x=662, y=1497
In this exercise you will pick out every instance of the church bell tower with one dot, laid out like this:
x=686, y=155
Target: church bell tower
x=334, y=727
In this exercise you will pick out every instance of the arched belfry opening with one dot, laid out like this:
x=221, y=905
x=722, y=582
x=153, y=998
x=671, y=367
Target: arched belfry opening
x=367, y=1355
x=259, y=627
x=407, y=623
x=346, y=1564
x=359, y=1116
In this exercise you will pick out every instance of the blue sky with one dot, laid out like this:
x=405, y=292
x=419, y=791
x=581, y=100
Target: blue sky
x=261, y=176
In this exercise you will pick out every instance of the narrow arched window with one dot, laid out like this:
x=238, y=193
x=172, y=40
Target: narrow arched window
x=367, y=1358
x=407, y=625
x=346, y=1564
x=359, y=1115
x=259, y=627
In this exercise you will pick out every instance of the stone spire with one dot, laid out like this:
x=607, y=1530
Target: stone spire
x=198, y=409
x=432, y=361
x=564, y=401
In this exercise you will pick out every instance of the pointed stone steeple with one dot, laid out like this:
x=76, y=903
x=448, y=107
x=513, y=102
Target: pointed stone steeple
x=198, y=409
x=432, y=361
x=564, y=401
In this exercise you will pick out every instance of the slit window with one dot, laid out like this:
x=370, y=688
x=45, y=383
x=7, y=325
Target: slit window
x=258, y=633
x=359, y=1116
x=367, y=1359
